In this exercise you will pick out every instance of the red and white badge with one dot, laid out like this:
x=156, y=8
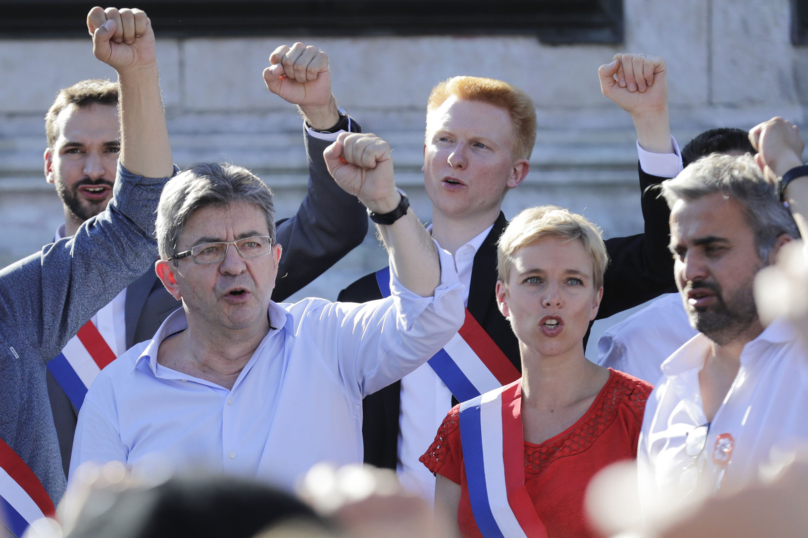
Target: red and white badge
x=722, y=452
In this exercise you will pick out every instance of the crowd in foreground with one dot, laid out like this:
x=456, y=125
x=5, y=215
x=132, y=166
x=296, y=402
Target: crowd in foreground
x=154, y=373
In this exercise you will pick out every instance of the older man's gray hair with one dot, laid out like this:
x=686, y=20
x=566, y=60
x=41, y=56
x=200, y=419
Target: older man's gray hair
x=206, y=185
x=741, y=179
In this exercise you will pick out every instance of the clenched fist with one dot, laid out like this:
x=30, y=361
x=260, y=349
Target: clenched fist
x=636, y=83
x=362, y=164
x=779, y=147
x=122, y=38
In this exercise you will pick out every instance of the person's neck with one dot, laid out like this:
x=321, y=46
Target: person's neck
x=71, y=224
x=219, y=354
x=452, y=232
x=729, y=354
x=556, y=382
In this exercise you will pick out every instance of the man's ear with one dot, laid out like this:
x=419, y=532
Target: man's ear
x=165, y=272
x=519, y=172
x=782, y=239
x=48, y=158
x=596, y=306
x=502, y=298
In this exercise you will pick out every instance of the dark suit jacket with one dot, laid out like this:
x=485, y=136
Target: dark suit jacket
x=328, y=225
x=640, y=269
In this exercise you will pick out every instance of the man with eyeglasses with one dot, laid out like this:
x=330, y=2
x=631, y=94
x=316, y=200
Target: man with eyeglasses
x=734, y=397
x=236, y=383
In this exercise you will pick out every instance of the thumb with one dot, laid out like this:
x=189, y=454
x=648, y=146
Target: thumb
x=101, y=38
x=272, y=77
x=333, y=156
x=606, y=73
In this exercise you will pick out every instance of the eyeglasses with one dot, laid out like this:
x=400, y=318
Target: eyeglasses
x=696, y=440
x=249, y=247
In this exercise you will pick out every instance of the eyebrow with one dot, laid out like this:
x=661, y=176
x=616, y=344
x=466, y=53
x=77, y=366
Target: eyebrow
x=566, y=272
x=702, y=241
x=245, y=235
x=80, y=145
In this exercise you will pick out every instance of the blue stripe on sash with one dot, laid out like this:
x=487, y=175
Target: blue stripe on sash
x=453, y=376
x=11, y=518
x=471, y=438
x=68, y=379
x=383, y=280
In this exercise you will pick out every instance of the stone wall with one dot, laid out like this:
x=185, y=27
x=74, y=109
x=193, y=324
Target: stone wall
x=730, y=63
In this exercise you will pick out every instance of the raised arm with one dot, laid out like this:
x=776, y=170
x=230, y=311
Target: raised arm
x=641, y=267
x=47, y=297
x=362, y=164
x=329, y=222
x=124, y=39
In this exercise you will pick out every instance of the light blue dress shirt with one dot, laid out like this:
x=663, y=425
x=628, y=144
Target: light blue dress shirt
x=297, y=402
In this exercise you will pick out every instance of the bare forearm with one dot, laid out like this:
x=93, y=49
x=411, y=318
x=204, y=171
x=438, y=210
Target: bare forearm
x=413, y=254
x=145, y=150
x=654, y=131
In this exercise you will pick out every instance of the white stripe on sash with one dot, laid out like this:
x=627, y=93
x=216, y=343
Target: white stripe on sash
x=18, y=498
x=470, y=364
x=491, y=426
x=81, y=361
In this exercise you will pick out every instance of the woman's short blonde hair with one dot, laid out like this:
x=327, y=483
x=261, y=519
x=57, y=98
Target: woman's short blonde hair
x=551, y=221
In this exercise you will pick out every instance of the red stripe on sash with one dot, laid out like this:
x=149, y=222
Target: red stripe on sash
x=19, y=471
x=488, y=351
x=513, y=454
x=95, y=344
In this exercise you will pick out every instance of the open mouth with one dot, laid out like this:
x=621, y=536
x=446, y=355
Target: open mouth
x=452, y=181
x=94, y=191
x=551, y=324
x=237, y=293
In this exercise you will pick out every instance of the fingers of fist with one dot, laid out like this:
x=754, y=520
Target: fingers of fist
x=125, y=24
x=300, y=63
x=363, y=150
x=634, y=72
x=778, y=143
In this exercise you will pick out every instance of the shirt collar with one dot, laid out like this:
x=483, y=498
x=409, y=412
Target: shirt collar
x=60, y=233
x=279, y=318
x=693, y=354
x=475, y=242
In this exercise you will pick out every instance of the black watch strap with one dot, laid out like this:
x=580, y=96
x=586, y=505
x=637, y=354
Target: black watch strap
x=344, y=124
x=386, y=219
x=791, y=175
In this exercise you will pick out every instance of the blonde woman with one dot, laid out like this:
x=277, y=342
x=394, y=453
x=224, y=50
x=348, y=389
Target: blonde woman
x=516, y=461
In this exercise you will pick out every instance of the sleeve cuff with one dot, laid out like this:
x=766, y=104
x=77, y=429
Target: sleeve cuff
x=412, y=304
x=330, y=137
x=661, y=164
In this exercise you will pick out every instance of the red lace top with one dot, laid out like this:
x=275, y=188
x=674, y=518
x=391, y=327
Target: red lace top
x=558, y=470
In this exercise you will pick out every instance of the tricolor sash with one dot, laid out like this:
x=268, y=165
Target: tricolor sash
x=23, y=499
x=77, y=366
x=494, y=456
x=471, y=363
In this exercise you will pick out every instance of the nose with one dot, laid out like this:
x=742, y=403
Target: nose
x=93, y=165
x=457, y=158
x=232, y=264
x=552, y=296
x=692, y=268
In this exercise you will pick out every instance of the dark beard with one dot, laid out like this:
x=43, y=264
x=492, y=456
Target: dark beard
x=87, y=209
x=728, y=319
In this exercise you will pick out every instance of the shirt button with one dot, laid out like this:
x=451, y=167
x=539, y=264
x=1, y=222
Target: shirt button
x=232, y=455
x=230, y=401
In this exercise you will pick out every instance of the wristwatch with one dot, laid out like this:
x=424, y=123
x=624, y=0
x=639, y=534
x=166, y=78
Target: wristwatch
x=343, y=124
x=386, y=219
x=788, y=177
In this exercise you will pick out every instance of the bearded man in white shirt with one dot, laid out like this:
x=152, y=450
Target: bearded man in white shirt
x=733, y=397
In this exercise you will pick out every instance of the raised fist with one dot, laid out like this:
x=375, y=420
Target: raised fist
x=362, y=164
x=635, y=83
x=122, y=38
x=779, y=147
x=299, y=75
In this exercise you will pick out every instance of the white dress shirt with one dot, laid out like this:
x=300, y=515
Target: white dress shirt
x=111, y=319
x=425, y=399
x=639, y=344
x=765, y=411
x=298, y=400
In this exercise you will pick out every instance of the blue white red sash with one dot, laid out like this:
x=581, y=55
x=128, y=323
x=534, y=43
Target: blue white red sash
x=23, y=499
x=471, y=363
x=494, y=457
x=77, y=366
